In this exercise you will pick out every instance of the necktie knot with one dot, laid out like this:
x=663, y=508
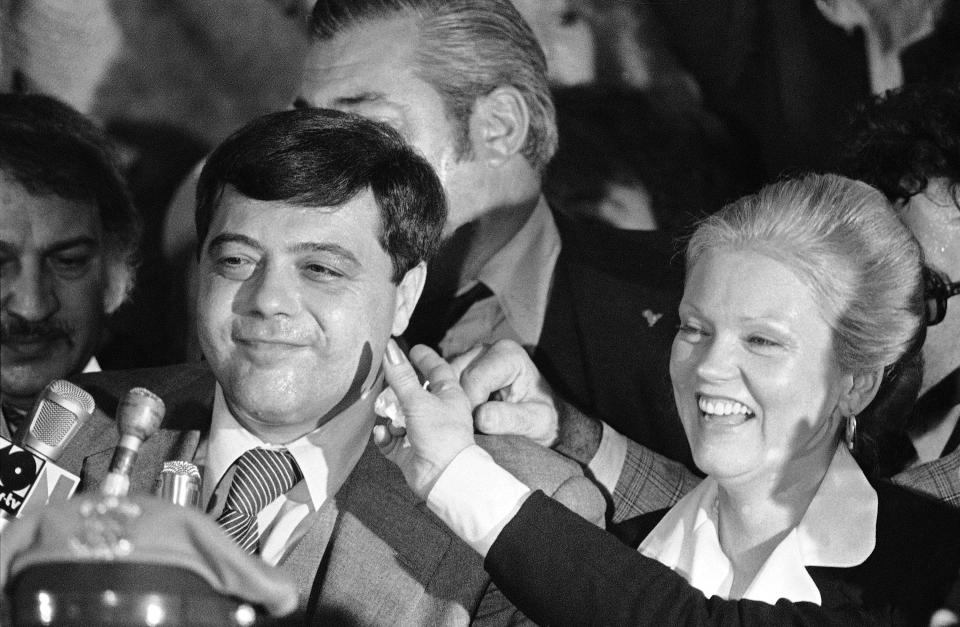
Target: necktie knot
x=432, y=319
x=261, y=476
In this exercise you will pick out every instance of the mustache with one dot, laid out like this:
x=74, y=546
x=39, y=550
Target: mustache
x=16, y=329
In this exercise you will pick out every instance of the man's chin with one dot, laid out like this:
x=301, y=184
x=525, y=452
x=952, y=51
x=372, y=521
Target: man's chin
x=25, y=375
x=21, y=389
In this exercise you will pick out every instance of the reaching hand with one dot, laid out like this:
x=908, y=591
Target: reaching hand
x=438, y=422
x=523, y=403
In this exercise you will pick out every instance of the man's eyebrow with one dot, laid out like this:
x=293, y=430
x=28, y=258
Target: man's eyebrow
x=328, y=248
x=359, y=98
x=344, y=102
x=234, y=238
x=73, y=242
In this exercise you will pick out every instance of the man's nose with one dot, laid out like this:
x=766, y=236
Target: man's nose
x=31, y=294
x=275, y=291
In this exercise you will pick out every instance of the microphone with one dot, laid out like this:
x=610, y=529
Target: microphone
x=139, y=416
x=179, y=483
x=29, y=476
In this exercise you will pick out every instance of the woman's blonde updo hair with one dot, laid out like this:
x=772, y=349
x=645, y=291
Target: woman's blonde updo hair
x=843, y=240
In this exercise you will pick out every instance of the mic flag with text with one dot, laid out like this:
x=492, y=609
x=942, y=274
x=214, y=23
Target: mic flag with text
x=29, y=476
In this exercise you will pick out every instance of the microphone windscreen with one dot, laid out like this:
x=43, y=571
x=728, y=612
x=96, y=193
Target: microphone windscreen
x=179, y=483
x=58, y=414
x=140, y=413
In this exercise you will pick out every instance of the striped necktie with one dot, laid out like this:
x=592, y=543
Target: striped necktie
x=261, y=476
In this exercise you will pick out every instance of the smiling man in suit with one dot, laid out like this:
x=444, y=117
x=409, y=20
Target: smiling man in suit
x=315, y=227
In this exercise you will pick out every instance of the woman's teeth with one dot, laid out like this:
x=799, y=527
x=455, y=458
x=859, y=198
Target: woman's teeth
x=723, y=407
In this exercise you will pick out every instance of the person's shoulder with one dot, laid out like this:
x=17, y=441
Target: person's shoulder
x=186, y=390
x=939, y=478
x=543, y=469
x=175, y=381
x=907, y=511
x=915, y=528
x=916, y=557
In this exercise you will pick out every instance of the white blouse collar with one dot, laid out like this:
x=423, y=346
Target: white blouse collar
x=837, y=530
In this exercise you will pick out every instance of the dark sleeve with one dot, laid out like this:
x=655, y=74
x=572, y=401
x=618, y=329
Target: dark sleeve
x=560, y=570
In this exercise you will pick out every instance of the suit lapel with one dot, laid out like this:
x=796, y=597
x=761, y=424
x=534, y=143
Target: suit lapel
x=302, y=562
x=386, y=550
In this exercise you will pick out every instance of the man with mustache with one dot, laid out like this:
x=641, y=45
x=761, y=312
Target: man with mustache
x=68, y=236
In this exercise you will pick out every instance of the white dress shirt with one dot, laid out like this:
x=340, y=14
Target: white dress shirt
x=838, y=530
x=326, y=457
x=883, y=58
x=607, y=463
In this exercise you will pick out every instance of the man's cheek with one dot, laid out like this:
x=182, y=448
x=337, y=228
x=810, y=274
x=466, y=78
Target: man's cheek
x=359, y=386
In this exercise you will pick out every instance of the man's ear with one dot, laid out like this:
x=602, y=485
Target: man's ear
x=859, y=390
x=408, y=293
x=499, y=125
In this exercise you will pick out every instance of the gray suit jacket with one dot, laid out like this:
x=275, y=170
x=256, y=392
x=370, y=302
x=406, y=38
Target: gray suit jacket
x=389, y=560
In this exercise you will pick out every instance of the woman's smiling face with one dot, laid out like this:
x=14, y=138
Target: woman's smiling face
x=754, y=369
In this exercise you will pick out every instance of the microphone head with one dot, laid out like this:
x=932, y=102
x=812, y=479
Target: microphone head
x=179, y=483
x=140, y=413
x=61, y=409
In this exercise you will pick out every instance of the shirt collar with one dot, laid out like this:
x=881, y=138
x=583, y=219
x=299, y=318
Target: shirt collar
x=519, y=273
x=92, y=366
x=837, y=530
x=326, y=456
x=851, y=14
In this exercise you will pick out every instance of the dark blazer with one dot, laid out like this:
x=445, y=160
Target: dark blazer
x=389, y=560
x=561, y=572
x=610, y=322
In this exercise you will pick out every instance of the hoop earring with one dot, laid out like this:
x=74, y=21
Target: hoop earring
x=851, y=431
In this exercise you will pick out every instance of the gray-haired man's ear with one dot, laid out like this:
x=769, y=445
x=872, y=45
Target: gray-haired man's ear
x=499, y=125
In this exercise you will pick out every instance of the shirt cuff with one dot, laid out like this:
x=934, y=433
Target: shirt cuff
x=476, y=498
x=607, y=462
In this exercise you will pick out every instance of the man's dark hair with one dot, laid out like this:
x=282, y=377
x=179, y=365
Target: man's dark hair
x=324, y=158
x=50, y=149
x=901, y=140
x=466, y=49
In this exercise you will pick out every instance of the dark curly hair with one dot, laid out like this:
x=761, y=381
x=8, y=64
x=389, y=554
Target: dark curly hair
x=901, y=140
